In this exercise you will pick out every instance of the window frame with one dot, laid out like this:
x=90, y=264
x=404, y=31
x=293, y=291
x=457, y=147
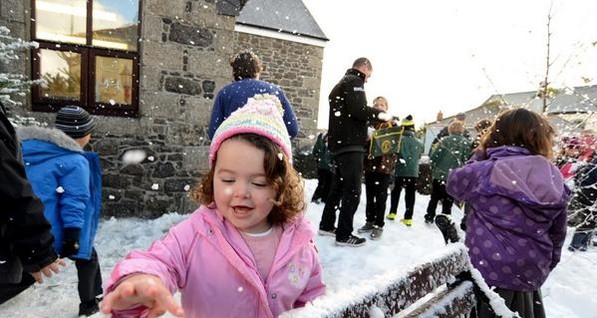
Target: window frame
x=88, y=54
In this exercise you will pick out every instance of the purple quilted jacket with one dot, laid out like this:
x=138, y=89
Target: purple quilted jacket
x=517, y=224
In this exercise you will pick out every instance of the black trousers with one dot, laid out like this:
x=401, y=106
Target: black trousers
x=90, y=278
x=324, y=185
x=438, y=192
x=527, y=304
x=345, y=194
x=376, y=191
x=8, y=291
x=410, y=186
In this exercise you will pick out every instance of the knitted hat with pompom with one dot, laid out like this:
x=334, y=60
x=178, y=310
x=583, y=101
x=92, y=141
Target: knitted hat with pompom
x=261, y=115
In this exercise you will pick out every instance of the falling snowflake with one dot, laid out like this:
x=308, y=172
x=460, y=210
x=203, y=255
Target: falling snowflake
x=187, y=187
x=155, y=186
x=240, y=289
x=338, y=114
x=112, y=102
x=60, y=189
x=280, y=156
x=150, y=158
x=111, y=197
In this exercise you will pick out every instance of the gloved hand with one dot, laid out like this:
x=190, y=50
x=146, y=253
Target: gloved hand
x=70, y=242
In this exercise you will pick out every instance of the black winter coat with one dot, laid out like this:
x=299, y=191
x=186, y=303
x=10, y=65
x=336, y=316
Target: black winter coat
x=349, y=114
x=26, y=243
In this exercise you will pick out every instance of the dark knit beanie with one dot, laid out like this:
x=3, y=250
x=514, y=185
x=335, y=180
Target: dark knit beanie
x=74, y=121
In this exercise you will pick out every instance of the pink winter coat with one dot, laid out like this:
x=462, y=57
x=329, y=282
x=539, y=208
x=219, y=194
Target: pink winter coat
x=206, y=258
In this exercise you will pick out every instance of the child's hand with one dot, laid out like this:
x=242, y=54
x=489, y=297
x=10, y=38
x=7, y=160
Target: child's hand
x=142, y=289
x=49, y=270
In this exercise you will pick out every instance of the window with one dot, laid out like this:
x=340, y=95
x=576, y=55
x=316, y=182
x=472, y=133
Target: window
x=87, y=55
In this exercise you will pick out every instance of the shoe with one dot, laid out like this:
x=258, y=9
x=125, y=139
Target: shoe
x=331, y=232
x=88, y=308
x=447, y=227
x=577, y=248
x=580, y=241
x=391, y=216
x=368, y=227
x=429, y=219
x=407, y=222
x=376, y=233
x=352, y=240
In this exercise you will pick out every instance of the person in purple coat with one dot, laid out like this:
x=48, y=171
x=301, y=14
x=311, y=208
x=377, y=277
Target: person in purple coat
x=518, y=199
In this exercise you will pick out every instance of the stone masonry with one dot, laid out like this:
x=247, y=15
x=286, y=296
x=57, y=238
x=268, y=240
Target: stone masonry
x=185, y=50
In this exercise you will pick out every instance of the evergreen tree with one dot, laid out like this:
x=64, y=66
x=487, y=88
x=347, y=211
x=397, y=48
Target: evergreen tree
x=11, y=83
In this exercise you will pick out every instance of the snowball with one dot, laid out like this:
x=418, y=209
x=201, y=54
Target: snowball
x=133, y=156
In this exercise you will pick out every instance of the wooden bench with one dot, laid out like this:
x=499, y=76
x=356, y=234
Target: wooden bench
x=423, y=287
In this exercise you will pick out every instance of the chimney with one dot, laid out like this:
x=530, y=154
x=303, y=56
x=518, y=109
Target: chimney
x=440, y=116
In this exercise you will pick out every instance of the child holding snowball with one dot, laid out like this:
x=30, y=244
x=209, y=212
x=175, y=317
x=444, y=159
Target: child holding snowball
x=248, y=250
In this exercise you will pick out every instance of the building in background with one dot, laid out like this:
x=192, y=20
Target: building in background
x=570, y=110
x=150, y=70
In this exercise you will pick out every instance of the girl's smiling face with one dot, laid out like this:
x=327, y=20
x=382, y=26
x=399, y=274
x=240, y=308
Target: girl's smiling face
x=241, y=191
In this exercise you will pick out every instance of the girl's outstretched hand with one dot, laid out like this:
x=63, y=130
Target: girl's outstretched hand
x=142, y=289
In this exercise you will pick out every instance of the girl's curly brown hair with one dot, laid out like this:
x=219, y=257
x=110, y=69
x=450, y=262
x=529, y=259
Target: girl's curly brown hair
x=279, y=173
x=523, y=128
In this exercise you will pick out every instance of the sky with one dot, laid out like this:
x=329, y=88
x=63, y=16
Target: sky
x=450, y=56
x=348, y=272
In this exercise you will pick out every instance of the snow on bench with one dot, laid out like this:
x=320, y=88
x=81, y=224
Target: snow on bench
x=420, y=292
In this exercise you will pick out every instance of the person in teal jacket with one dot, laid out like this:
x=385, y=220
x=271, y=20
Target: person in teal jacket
x=324, y=169
x=407, y=171
x=451, y=152
x=68, y=181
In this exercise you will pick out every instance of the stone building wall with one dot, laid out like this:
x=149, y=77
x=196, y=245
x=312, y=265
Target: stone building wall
x=185, y=47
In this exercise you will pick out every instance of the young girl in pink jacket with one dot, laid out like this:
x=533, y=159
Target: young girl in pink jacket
x=247, y=251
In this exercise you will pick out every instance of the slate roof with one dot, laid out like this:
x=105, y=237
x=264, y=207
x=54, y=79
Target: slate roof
x=287, y=16
x=581, y=99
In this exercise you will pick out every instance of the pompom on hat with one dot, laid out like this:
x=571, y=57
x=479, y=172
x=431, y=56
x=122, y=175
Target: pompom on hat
x=408, y=121
x=261, y=115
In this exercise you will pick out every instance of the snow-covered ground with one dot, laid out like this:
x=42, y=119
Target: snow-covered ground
x=570, y=291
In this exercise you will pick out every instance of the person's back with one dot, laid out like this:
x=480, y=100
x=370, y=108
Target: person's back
x=59, y=174
x=451, y=152
x=68, y=181
x=517, y=222
x=349, y=114
x=411, y=150
x=246, y=69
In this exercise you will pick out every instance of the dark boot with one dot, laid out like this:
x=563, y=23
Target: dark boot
x=580, y=241
x=88, y=308
x=447, y=227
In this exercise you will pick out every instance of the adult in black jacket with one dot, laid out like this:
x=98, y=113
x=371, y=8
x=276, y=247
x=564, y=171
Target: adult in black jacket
x=26, y=243
x=347, y=139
